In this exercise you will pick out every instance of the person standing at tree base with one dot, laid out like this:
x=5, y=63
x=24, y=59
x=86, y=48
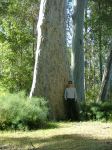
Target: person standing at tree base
x=72, y=108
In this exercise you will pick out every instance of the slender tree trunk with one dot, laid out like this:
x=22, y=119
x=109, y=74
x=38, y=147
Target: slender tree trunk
x=50, y=71
x=77, y=56
x=85, y=45
x=100, y=54
x=100, y=42
x=33, y=47
x=107, y=80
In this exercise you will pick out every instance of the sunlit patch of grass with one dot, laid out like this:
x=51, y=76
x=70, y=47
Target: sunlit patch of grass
x=64, y=136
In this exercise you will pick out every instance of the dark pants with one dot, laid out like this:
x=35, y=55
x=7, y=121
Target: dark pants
x=72, y=110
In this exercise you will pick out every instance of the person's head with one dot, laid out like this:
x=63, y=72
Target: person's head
x=70, y=83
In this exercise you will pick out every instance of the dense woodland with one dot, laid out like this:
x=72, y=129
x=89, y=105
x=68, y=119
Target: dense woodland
x=45, y=43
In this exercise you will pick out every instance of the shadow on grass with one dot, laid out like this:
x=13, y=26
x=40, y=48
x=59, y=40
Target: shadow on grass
x=59, y=142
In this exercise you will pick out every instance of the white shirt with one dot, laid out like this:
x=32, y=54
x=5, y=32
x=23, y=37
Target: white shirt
x=70, y=93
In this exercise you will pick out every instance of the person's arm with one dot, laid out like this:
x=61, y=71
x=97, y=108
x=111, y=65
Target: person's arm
x=65, y=94
x=76, y=95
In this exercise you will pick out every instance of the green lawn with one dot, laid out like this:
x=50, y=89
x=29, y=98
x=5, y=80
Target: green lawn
x=67, y=136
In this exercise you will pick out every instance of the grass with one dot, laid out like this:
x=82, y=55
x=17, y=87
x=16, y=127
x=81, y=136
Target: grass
x=66, y=136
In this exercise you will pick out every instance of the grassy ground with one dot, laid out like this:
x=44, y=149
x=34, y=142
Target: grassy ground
x=67, y=136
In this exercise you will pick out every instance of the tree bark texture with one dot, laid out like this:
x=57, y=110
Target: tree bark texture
x=77, y=55
x=50, y=70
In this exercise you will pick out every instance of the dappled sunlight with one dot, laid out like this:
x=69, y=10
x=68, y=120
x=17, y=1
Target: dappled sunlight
x=73, y=135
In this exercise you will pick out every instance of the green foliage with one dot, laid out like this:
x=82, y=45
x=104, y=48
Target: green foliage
x=96, y=111
x=93, y=92
x=19, y=112
x=97, y=38
x=17, y=43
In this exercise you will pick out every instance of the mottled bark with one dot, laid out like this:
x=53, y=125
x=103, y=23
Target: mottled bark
x=77, y=56
x=50, y=71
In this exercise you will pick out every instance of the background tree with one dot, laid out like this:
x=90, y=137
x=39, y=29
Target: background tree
x=77, y=55
x=97, y=37
x=106, y=90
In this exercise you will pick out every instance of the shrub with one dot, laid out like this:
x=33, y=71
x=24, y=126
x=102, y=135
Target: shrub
x=19, y=112
x=96, y=111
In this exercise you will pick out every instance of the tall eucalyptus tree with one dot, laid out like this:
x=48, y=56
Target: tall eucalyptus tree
x=106, y=89
x=50, y=71
x=77, y=55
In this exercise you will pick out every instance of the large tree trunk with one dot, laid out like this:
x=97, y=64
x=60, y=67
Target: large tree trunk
x=50, y=71
x=106, y=89
x=77, y=56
